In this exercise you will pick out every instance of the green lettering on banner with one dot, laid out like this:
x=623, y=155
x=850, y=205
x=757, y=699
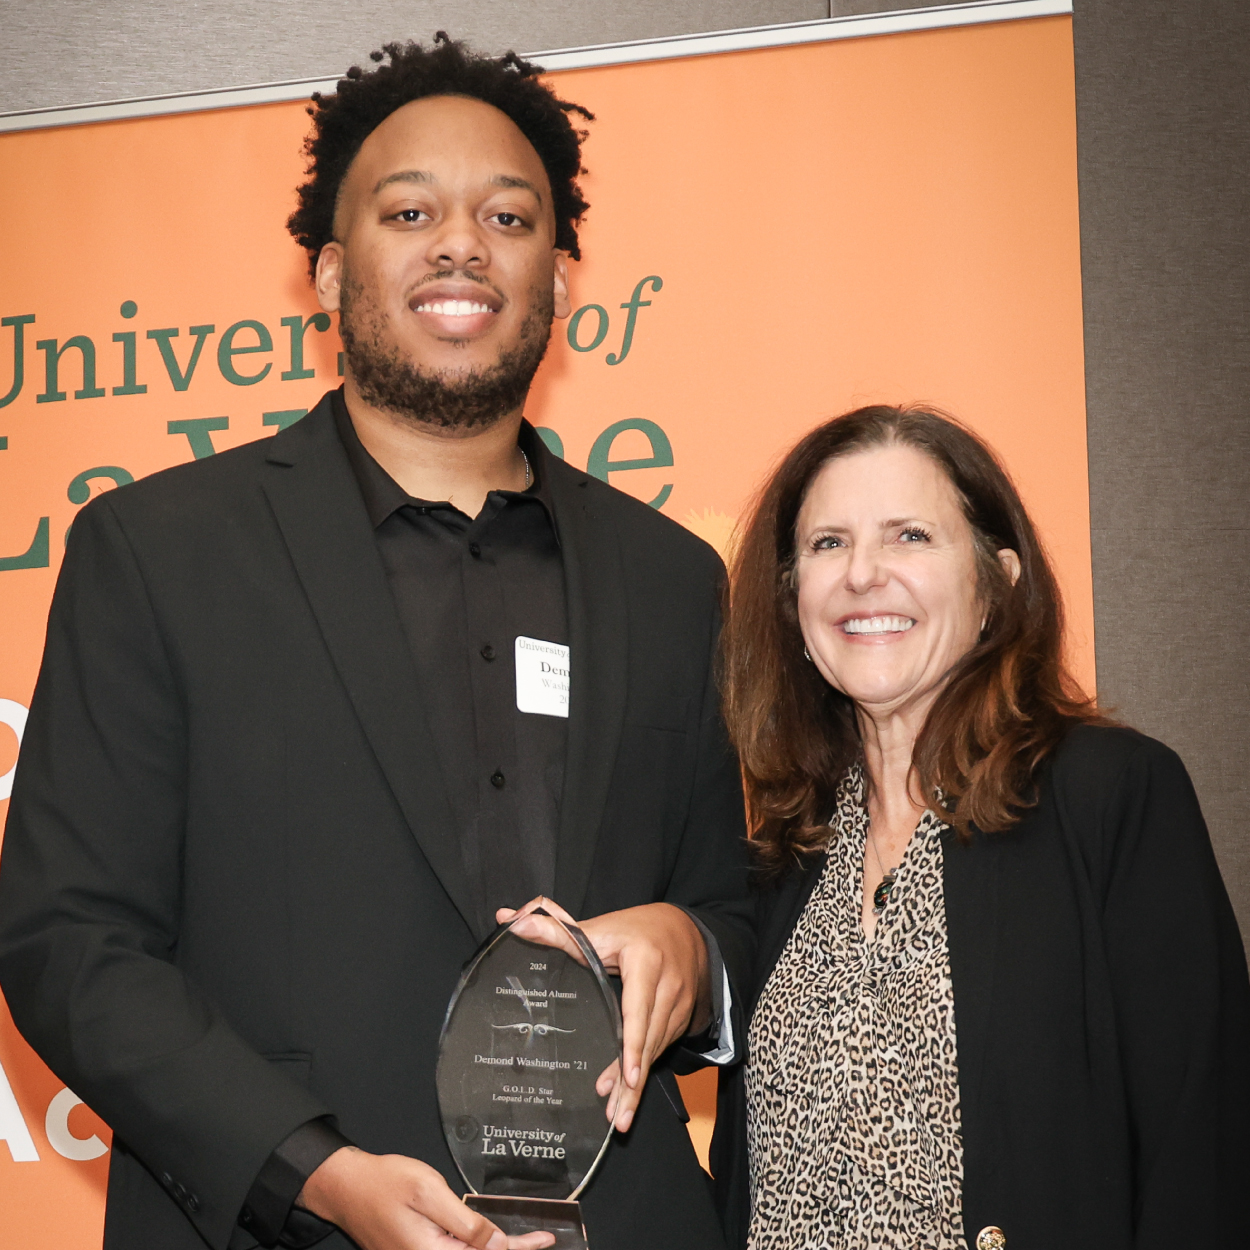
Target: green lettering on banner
x=600, y=334
x=127, y=338
x=553, y=442
x=199, y=433
x=52, y=366
x=599, y=465
x=282, y=419
x=179, y=379
x=631, y=316
x=297, y=327
x=35, y=556
x=79, y=490
x=226, y=351
x=19, y=325
x=128, y=387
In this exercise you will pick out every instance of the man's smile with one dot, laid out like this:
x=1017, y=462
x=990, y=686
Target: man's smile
x=456, y=309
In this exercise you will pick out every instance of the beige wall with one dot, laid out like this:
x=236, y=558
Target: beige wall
x=1164, y=131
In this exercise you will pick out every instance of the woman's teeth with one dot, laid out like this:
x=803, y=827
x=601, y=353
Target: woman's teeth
x=453, y=308
x=877, y=625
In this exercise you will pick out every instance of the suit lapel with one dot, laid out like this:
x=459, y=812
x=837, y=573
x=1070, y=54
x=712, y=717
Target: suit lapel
x=319, y=510
x=599, y=655
x=972, y=878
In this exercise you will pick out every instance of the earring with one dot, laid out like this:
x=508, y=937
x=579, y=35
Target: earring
x=806, y=656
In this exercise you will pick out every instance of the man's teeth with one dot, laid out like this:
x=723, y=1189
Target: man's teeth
x=453, y=308
x=877, y=624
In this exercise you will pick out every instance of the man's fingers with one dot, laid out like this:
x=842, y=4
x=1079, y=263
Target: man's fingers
x=608, y=1078
x=639, y=980
x=529, y=1241
x=550, y=905
x=546, y=932
x=437, y=1203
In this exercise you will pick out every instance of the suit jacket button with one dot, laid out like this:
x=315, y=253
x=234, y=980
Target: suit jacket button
x=991, y=1237
x=193, y=1203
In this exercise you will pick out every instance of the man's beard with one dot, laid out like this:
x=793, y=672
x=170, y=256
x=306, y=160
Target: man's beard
x=450, y=399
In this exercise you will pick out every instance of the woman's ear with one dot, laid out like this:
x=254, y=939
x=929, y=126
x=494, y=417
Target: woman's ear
x=1011, y=563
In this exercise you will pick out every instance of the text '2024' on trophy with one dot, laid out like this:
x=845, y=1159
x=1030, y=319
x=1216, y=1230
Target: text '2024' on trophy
x=528, y=1032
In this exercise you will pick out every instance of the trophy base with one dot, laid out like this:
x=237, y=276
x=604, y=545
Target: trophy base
x=516, y=1216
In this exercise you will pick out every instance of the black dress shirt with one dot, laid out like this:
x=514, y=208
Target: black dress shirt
x=465, y=589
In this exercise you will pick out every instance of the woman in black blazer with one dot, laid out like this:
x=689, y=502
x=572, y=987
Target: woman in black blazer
x=1001, y=998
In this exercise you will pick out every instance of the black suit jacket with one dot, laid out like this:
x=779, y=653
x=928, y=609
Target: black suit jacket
x=1102, y=1015
x=231, y=895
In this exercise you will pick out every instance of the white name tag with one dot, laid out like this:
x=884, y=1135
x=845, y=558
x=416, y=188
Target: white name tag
x=542, y=677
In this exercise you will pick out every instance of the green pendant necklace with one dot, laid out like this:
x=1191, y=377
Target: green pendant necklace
x=881, y=895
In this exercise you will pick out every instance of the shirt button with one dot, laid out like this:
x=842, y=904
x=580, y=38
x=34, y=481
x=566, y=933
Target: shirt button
x=475, y=551
x=991, y=1238
x=497, y=779
x=487, y=652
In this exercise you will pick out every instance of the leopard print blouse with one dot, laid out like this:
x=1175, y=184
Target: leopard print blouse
x=852, y=1083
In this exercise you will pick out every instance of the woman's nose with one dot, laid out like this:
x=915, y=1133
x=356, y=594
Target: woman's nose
x=864, y=571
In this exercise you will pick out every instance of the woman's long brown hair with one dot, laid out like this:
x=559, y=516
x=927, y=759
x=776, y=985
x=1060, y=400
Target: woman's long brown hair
x=1004, y=707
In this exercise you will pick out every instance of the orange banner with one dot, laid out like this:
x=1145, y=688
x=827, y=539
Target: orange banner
x=776, y=236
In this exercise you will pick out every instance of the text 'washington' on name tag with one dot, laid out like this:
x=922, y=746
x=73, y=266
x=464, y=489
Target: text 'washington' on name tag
x=542, y=677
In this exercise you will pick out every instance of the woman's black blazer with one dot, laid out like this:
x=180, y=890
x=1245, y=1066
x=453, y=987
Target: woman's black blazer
x=1102, y=1011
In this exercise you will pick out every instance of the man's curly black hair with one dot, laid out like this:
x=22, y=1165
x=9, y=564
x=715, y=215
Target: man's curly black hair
x=364, y=100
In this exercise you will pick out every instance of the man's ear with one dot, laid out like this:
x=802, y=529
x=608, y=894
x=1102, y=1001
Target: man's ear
x=561, y=305
x=1011, y=563
x=329, y=275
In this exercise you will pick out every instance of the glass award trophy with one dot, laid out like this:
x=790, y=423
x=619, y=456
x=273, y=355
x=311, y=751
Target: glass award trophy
x=528, y=1032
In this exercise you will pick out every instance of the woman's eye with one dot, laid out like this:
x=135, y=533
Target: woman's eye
x=914, y=534
x=826, y=542
x=508, y=219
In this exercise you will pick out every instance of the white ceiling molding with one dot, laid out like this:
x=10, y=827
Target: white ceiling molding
x=819, y=31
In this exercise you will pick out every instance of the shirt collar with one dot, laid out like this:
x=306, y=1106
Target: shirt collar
x=383, y=495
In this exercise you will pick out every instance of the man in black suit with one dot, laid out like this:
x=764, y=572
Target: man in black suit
x=288, y=760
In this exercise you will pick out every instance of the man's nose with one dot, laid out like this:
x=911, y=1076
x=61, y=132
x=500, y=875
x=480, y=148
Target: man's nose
x=459, y=243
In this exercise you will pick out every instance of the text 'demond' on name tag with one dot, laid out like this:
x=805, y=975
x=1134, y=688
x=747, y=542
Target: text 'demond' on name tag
x=542, y=677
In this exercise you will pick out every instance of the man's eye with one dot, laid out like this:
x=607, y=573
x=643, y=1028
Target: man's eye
x=508, y=219
x=411, y=215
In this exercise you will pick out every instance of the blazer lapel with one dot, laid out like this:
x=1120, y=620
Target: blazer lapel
x=599, y=659
x=322, y=517
x=972, y=874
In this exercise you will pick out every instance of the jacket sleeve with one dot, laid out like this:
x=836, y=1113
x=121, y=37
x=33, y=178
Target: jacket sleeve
x=90, y=884
x=711, y=876
x=1182, y=1006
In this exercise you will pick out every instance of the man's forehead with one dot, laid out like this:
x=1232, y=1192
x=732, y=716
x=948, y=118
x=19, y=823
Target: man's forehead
x=427, y=177
x=435, y=129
